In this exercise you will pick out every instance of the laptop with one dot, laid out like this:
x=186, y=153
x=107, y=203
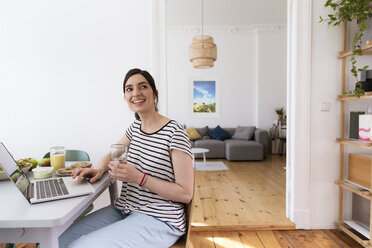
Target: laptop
x=44, y=190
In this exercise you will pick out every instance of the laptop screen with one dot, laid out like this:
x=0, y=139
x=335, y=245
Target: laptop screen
x=11, y=168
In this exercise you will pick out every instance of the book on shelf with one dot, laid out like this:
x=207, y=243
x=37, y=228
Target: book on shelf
x=354, y=124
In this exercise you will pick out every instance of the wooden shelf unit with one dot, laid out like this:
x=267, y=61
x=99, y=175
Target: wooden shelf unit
x=342, y=141
x=366, y=50
x=354, y=142
x=347, y=229
x=367, y=95
x=346, y=185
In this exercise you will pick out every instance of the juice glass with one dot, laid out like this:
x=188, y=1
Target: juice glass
x=57, y=157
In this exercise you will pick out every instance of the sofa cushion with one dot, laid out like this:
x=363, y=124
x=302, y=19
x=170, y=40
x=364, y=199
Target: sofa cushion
x=192, y=133
x=216, y=148
x=219, y=134
x=230, y=130
x=203, y=131
x=244, y=133
x=244, y=150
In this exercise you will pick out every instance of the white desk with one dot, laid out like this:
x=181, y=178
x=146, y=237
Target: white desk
x=21, y=222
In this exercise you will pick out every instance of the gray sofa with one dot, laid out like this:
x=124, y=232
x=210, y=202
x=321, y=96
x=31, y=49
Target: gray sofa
x=235, y=149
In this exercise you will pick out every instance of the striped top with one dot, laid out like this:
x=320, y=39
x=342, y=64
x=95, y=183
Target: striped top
x=150, y=153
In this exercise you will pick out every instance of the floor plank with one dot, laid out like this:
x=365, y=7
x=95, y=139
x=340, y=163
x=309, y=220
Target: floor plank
x=268, y=239
x=227, y=239
x=281, y=239
x=250, y=195
x=251, y=239
x=272, y=239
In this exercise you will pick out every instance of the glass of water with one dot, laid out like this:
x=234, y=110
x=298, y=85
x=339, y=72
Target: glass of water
x=119, y=153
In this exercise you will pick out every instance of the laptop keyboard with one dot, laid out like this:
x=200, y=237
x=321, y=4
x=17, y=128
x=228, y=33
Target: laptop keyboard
x=50, y=188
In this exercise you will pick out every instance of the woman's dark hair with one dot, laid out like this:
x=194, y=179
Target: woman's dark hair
x=149, y=79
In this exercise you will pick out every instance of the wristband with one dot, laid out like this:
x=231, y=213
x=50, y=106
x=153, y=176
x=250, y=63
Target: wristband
x=144, y=181
x=143, y=178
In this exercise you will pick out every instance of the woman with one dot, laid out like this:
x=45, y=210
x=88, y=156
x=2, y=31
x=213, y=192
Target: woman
x=157, y=179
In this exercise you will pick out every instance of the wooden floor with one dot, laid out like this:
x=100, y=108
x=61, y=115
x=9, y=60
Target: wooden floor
x=244, y=207
x=265, y=239
x=248, y=196
x=273, y=239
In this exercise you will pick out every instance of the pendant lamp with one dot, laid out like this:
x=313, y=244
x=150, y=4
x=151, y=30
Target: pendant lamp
x=202, y=51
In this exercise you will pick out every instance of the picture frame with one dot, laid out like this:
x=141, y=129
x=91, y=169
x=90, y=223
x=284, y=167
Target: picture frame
x=204, y=97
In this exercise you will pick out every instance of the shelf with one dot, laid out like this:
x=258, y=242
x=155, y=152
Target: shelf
x=346, y=229
x=367, y=95
x=354, y=142
x=357, y=190
x=366, y=50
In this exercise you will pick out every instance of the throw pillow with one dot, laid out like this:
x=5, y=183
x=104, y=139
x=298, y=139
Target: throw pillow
x=192, y=133
x=203, y=131
x=219, y=134
x=244, y=133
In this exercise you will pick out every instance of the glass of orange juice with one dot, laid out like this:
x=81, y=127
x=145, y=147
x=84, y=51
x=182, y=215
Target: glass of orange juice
x=57, y=157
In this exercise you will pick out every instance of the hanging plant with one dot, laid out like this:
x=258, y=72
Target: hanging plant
x=351, y=10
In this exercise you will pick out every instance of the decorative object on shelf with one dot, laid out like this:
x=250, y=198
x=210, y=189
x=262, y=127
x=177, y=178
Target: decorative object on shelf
x=280, y=113
x=278, y=133
x=365, y=123
x=366, y=80
x=351, y=10
x=354, y=124
x=359, y=169
x=202, y=51
x=204, y=98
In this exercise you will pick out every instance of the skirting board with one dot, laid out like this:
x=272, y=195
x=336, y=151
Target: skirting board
x=301, y=218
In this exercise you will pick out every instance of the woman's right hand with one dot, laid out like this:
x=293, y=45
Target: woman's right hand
x=93, y=174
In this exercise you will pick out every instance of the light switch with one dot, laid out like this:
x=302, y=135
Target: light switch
x=325, y=106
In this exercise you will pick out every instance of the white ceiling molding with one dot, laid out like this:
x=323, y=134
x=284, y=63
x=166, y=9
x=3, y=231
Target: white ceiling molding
x=227, y=29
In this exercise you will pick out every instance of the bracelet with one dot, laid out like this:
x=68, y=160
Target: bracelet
x=143, y=178
x=144, y=181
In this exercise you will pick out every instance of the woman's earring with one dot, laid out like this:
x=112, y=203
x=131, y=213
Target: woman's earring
x=156, y=101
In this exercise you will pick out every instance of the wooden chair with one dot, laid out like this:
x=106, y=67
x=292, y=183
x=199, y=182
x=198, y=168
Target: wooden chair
x=74, y=155
x=184, y=241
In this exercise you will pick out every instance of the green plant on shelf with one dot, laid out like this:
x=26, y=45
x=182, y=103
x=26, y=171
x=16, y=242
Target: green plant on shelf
x=279, y=111
x=351, y=10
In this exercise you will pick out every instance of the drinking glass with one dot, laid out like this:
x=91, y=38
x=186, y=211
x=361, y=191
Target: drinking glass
x=119, y=153
x=57, y=157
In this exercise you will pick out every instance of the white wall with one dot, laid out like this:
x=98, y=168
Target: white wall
x=250, y=66
x=251, y=59
x=272, y=67
x=226, y=12
x=61, y=70
x=235, y=69
x=62, y=65
x=324, y=126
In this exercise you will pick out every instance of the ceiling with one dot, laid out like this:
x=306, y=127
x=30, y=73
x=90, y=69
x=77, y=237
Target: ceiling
x=226, y=12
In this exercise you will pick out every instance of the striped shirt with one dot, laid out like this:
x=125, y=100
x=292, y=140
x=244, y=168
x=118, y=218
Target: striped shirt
x=150, y=153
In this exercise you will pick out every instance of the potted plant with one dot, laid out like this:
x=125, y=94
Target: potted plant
x=280, y=113
x=351, y=10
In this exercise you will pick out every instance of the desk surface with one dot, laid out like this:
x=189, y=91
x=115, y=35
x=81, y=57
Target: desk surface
x=17, y=212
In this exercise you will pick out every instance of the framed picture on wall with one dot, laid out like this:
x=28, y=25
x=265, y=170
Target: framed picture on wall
x=205, y=102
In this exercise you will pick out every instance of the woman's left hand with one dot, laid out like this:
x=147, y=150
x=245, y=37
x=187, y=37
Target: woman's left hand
x=124, y=172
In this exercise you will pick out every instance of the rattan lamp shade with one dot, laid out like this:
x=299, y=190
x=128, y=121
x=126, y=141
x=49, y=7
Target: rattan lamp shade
x=202, y=52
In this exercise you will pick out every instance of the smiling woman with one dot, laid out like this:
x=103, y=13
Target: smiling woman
x=140, y=91
x=157, y=179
